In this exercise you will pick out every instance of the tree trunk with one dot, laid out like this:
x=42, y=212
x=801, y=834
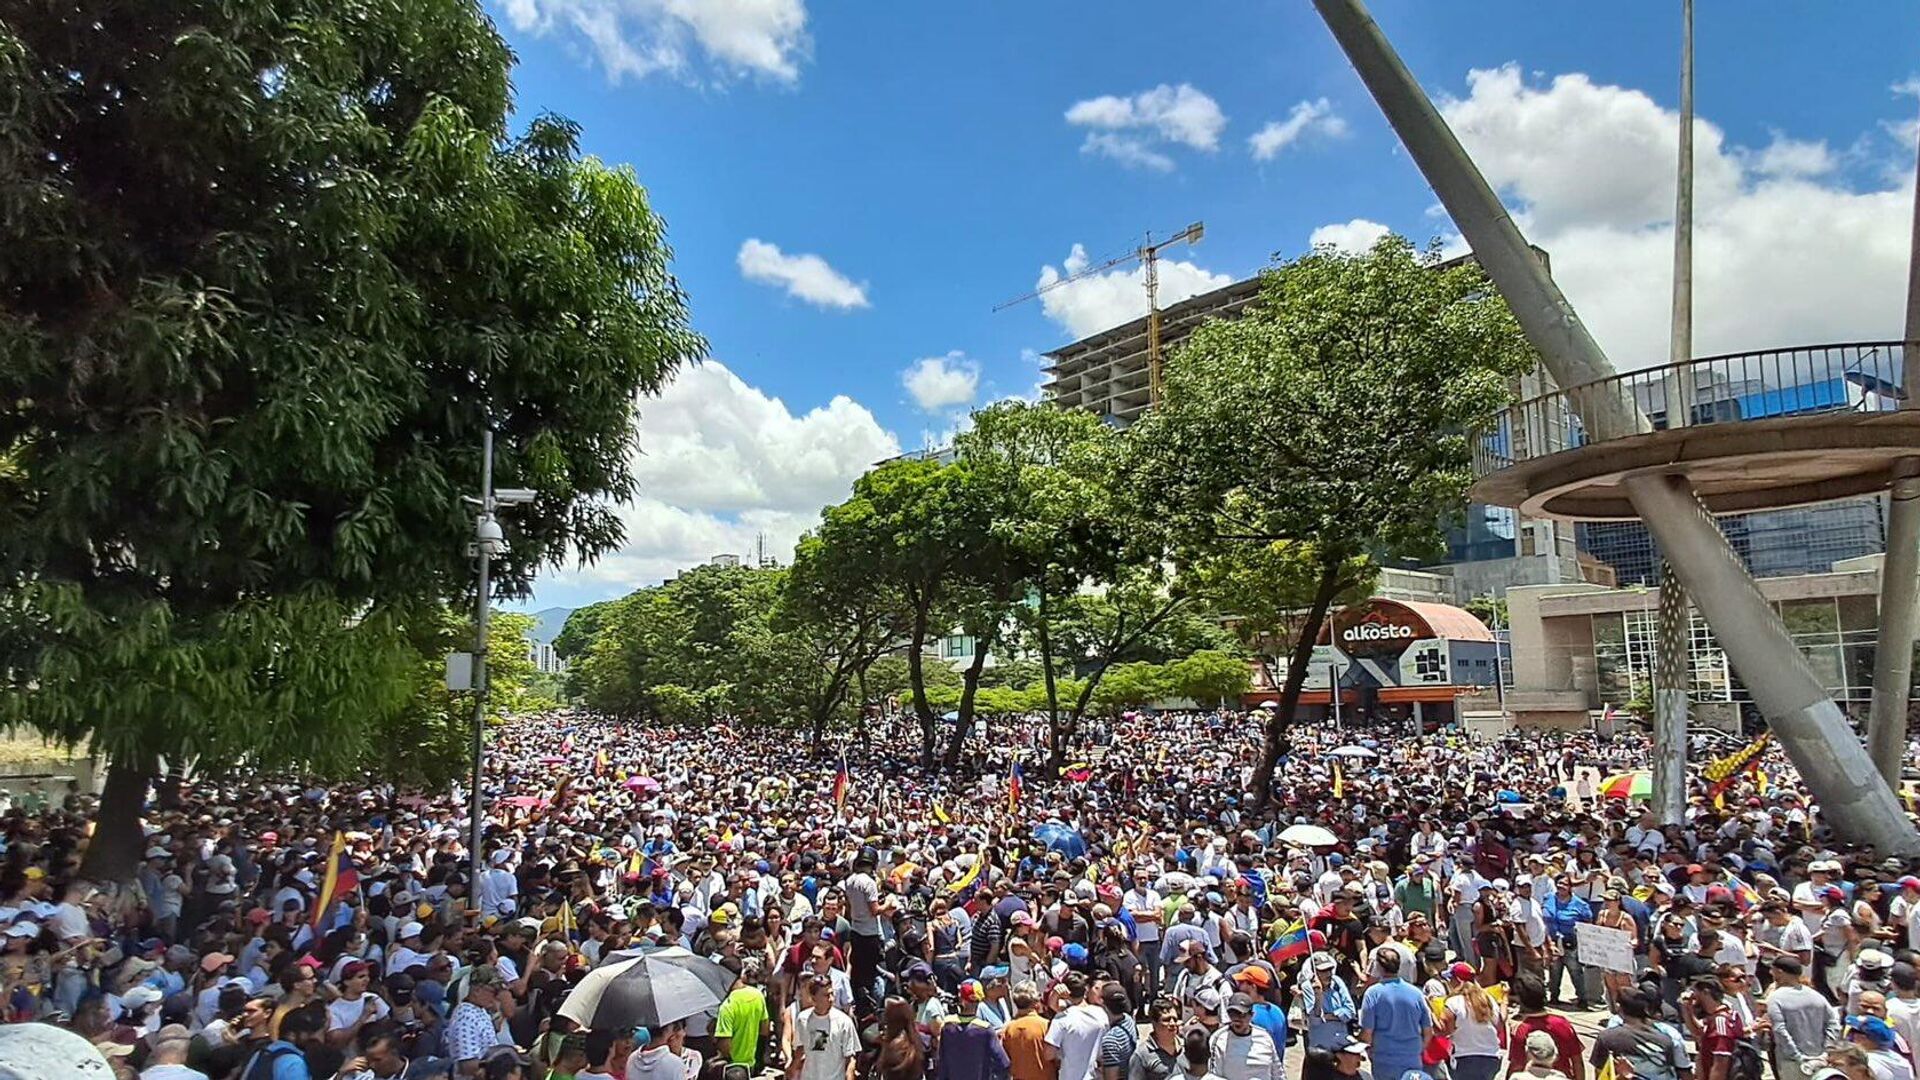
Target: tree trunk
x=1056, y=746
x=1280, y=719
x=970, y=684
x=113, y=854
x=917, y=679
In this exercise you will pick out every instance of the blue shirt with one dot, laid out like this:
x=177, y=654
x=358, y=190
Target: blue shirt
x=286, y=1065
x=1563, y=915
x=1268, y=1017
x=1398, y=1017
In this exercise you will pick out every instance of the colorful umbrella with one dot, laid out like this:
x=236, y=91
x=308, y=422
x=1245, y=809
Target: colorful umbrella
x=643, y=783
x=1628, y=785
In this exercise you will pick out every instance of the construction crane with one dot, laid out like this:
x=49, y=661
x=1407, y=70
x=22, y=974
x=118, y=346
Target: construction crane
x=1148, y=255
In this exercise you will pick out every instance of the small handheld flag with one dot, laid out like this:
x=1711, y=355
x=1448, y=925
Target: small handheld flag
x=840, y=785
x=1339, y=782
x=1014, y=777
x=1292, y=945
x=940, y=814
x=341, y=879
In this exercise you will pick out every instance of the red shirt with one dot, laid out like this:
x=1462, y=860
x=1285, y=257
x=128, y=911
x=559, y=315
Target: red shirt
x=1719, y=1033
x=1564, y=1037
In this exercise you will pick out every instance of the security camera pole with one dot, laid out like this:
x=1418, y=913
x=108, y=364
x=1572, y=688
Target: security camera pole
x=488, y=541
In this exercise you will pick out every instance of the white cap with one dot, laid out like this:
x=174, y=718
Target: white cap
x=45, y=1052
x=499, y=858
x=158, y=853
x=140, y=995
x=410, y=929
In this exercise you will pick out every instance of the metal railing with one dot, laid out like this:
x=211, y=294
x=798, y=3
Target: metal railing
x=1802, y=381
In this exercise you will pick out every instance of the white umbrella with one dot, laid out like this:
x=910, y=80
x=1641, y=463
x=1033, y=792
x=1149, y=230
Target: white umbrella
x=655, y=987
x=1308, y=836
x=1352, y=751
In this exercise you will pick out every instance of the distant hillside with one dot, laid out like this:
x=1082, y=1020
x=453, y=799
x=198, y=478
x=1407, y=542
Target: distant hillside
x=548, y=623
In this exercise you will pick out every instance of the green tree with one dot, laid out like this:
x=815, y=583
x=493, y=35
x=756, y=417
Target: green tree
x=1209, y=677
x=274, y=265
x=1336, y=412
x=837, y=613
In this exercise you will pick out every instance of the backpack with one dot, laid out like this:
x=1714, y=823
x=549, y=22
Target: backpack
x=1747, y=1060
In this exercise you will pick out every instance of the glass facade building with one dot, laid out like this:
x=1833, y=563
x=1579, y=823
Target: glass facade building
x=1773, y=543
x=1836, y=634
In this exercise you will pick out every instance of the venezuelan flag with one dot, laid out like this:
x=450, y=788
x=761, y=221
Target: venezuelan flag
x=341, y=879
x=940, y=814
x=961, y=888
x=1014, y=777
x=840, y=784
x=1292, y=945
x=1079, y=772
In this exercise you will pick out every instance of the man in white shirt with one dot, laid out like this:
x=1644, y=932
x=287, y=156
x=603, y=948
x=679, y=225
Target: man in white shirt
x=825, y=1040
x=495, y=889
x=406, y=951
x=1240, y=1051
x=1075, y=1033
x=1143, y=903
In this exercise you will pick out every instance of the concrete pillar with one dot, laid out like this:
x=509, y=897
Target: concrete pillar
x=1811, y=727
x=1893, y=656
x=1804, y=719
x=1900, y=575
x=1672, y=691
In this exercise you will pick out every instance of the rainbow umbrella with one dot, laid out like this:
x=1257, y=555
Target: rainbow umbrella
x=1628, y=785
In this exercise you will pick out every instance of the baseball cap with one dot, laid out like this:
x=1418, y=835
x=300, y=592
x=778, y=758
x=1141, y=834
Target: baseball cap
x=485, y=975
x=995, y=971
x=1240, y=1003
x=971, y=990
x=1354, y=1046
x=213, y=962
x=1461, y=972
x=1075, y=954
x=1254, y=976
x=1873, y=1028
x=410, y=929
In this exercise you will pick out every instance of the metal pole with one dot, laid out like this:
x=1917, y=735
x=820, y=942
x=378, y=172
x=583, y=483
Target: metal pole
x=480, y=656
x=1831, y=760
x=1333, y=693
x=1801, y=713
x=1900, y=572
x=1673, y=677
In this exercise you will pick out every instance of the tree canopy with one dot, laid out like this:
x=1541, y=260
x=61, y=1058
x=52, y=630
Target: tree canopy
x=1332, y=418
x=273, y=267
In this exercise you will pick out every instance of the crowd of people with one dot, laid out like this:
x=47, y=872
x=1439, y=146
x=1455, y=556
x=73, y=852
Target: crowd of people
x=1411, y=905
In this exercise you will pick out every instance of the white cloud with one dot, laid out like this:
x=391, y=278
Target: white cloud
x=1129, y=129
x=721, y=461
x=1356, y=236
x=942, y=382
x=1785, y=157
x=1906, y=128
x=1100, y=301
x=804, y=277
x=1128, y=150
x=763, y=38
x=1314, y=117
x=1787, y=250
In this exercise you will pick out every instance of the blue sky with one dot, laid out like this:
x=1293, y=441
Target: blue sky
x=934, y=158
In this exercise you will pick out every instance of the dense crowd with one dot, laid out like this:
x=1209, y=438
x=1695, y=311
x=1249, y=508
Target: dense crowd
x=1412, y=904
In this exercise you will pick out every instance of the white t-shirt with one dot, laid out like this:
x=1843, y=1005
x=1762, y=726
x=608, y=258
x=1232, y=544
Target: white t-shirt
x=1075, y=1033
x=828, y=1042
x=1144, y=902
x=344, y=1014
x=1471, y=1039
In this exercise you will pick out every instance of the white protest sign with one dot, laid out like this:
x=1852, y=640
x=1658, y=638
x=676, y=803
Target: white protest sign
x=1605, y=947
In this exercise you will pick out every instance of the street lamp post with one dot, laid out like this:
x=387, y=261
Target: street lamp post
x=488, y=541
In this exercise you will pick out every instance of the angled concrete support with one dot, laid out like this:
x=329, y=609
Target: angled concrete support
x=1900, y=574
x=1808, y=724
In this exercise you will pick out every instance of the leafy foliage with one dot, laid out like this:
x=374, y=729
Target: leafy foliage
x=273, y=267
x=1333, y=419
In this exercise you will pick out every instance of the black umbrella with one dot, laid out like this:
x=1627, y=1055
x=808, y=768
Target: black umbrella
x=651, y=987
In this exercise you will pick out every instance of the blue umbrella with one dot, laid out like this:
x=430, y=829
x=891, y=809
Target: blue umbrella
x=1057, y=837
x=1509, y=796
